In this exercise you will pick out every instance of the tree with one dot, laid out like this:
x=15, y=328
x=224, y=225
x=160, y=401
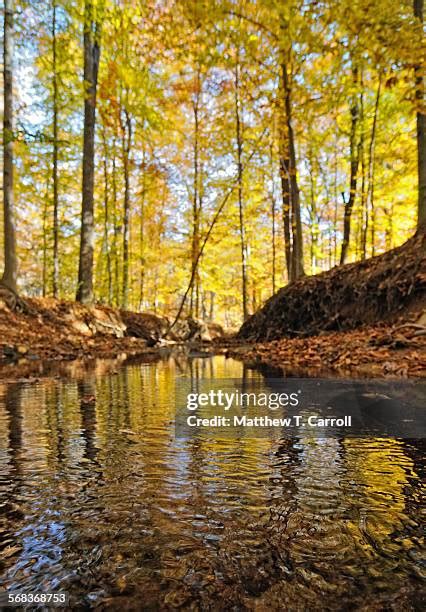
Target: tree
x=91, y=67
x=421, y=129
x=10, y=259
x=239, y=142
x=55, y=156
x=354, y=147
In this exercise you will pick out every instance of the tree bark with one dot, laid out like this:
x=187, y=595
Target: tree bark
x=363, y=216
x=354, y=155
x=285, y=194
x=313, y=213
x=55, y=280
x=290, y=189
x=107, y=219
x=421, y=130
x=116, y=227
x=10, y=259
x=285, y=176
x=296, y=222
x=91, y=66
x=142, y=233
x=242, y=228
x=274, y=244
x=126, y=133
x=196, y=212
x=371, y=168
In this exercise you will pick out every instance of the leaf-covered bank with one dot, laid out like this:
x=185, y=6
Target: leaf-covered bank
x=346, y=297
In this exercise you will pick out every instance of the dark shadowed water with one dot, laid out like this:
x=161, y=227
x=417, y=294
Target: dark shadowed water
x=98, y=498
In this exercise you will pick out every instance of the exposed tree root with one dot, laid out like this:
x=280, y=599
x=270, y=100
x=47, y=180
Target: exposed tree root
x=345, y=297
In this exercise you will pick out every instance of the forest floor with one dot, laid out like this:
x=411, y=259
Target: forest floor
x=383, y=350
x=55, y=332
x=362, y=319
x=56, y=335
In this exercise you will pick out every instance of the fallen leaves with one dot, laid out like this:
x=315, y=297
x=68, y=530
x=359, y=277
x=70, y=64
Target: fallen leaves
x=374, y=351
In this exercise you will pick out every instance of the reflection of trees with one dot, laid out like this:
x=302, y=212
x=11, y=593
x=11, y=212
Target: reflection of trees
x=87, y=398
x=11, y=483
x=380, y=469
x=13, y=407
x=416, y=451
x=55, y=438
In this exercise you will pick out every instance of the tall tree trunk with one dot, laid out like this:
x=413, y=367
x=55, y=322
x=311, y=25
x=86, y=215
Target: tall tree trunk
x=336, y=197
x=142, y=233
x=284, y=159
x=363, y=216
x=55, y=280
x=211, y=309
x=91, y=66
x=273, y=217
x=371, y=169
x=116, y=228
x=285, y=194
x=107, y=219
x=243, y=244
x=10, y=258
x=274, y=244
x=195, y=245
x=313, y=214
x=45, y=213
x=296, y=221
x=354, y=162
x=126, y=131
x=421, y=130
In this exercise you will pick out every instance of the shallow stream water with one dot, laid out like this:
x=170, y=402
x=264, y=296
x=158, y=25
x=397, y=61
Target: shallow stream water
x=100, y=499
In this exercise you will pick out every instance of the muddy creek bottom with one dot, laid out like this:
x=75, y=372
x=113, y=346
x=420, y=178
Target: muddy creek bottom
x=101, y=500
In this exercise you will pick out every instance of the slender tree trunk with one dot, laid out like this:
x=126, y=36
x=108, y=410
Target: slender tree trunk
x=10, y=258
x=274, y=244
x=371, y=169
x=106, y=219
x=284, y=159
x=243, y=244
x=45, y=213
x=211, y=309
x=296, y=221
x=142, y=234
x=336, y=197
x=55, y=280
x=126, y=130
x=285, y=191
x=116, y=228
x=354, y=155
x=195, y=246
x=313, y=213
x=363, y=217
x=421, y=130
x=273, y=218
x=91, y=66
x=389, y=228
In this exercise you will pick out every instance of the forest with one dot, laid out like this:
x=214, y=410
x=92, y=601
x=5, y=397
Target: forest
x=194, y=156
x=213, y=305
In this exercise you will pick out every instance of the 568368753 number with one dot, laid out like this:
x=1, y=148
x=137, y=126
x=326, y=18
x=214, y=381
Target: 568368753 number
x=15, y=599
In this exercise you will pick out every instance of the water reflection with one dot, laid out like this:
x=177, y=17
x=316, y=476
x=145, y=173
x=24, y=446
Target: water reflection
x=99, y=498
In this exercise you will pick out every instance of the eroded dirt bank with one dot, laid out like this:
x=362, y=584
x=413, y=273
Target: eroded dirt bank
x=369, y=292
x=362, y=319
x=48, y=332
